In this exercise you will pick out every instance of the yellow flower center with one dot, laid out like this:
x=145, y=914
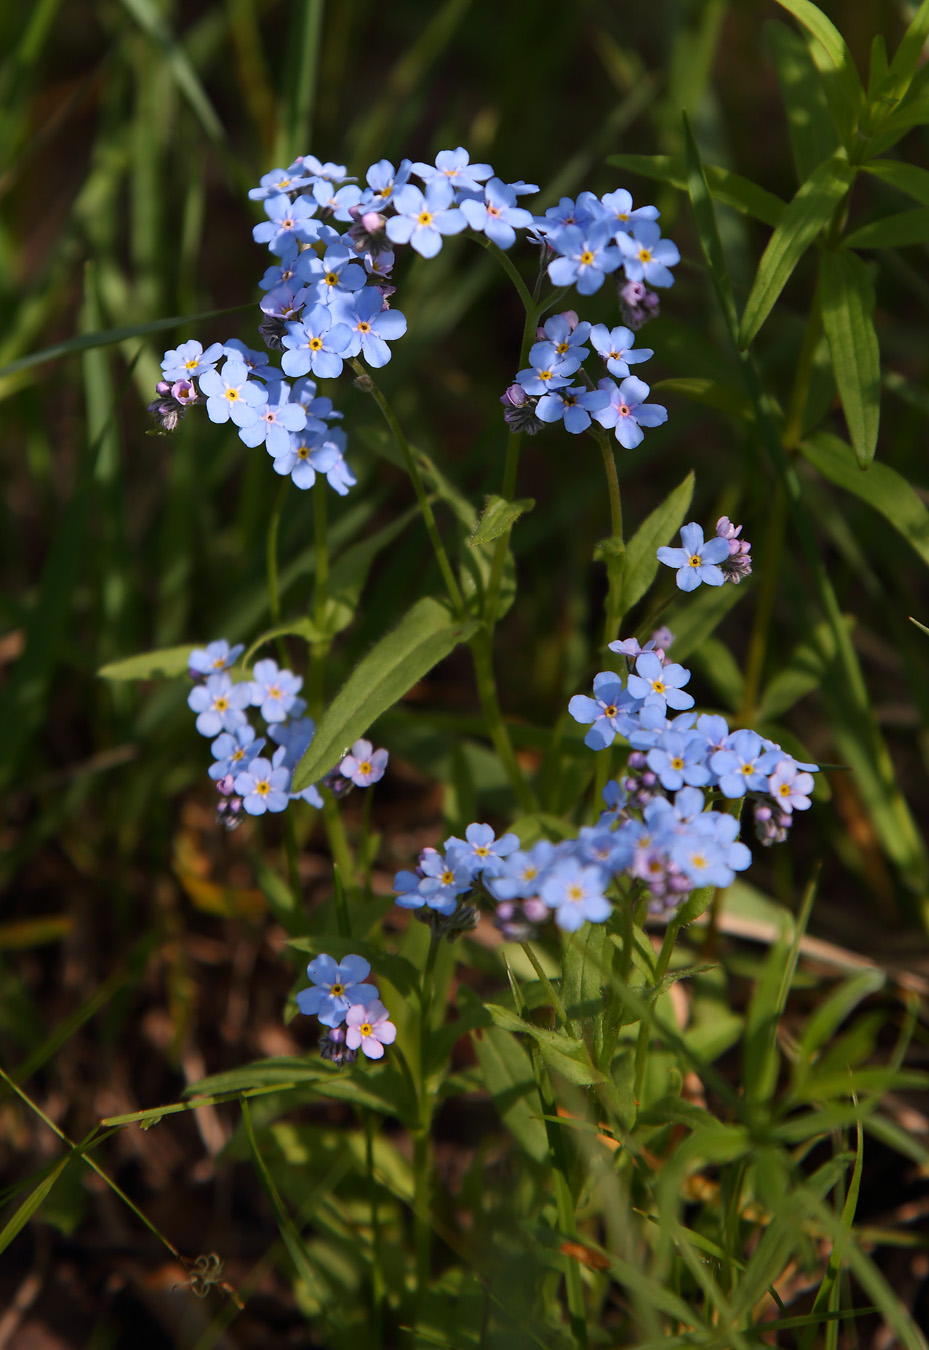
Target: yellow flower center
x=424, y=218
x=287, y=224
x=587, y=257
x=364, y=327
x=695, y=560
x=232, y=395
x=221, y=704
x=748, y=770
x=575, y=894
x=659, y=686
x=332, y=279
x=303, y=452
x=562, y=348
x=365, y=767
x=784, y=789
x=677, y=762
x=337, y=989
x=191, y=364
x=366, y=1028
x=697, y=860
x=315, y=344
x=645, y=255
x=263, y=788
x=610, y=711
x=448, y=876
x=545, y=374
x=275, y=691
x=482, y=851
x=237, y=755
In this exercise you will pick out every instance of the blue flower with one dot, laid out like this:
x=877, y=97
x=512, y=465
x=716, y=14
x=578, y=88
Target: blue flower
x=522, y=872
x=678, y=759
x=574, y=405
x=316, y=344
x=566, y=334
x=214, y=658
x=219, y=704
x=383, y=180
x=278, y=181
x=276, y=420
x=422, y=219
x=497, y=215
x=615, y=346
x=274, y=691
x=646, y=256
x=293, y=738
x=336, y=988
x=661, y=684
x=744, y=765
x=547, y=369
x=696, y=561
x=586, y=257
x=371, y=325
x=256, y=363
x=335, y=274
x=263, y=787
x=234, y=751
x=453, y=167
x=701, y=860
x=230, y=395
x=444, y=879
x=576, y=894
x=189, y=360
x=627, y=412
x=479, y=851
x=608, y=711
x=288, y=222
x=619, y=209
x=340, y=202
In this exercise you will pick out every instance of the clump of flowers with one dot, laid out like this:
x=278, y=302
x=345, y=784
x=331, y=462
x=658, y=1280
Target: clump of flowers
x=348, y=1007
x=661, y=834
x=245, y=779
x=714, y=561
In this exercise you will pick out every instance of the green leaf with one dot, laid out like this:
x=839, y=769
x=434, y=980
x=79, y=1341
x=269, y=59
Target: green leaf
x=919, y=625
x=908, y=178
x=30, y=1205
x=507, y=1073
x=896, y=231
x=844, y=90
x=167, y=663
x=301, y=628
x=498, y=517
x=847, y=307
x=804, y=671
x=909, y=53
x=107, y=337
x=725, y=186
x=708, y=231
x=150, y=19
x=826, y=1019
x=725, y=398
x=694, y=618
x=807, y=213
x=657, y=529
x=564, y=1054
x=881, y=487
x=809, y=123
x=423, y=637
x=349, y=572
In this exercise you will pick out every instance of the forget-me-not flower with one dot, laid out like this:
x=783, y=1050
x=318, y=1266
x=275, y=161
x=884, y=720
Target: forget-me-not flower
x=229, y=394
x=336, y=987
x=274, y=691
x=697, y=561
x=423, y=218
x=219, y=704
x=627, y=412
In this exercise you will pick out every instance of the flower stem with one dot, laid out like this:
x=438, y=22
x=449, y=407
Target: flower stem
x=448, y=576
x=481, y=652
x=321, y=546
x=641, y=1049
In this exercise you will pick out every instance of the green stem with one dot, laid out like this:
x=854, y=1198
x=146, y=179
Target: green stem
x=508, y=266
x=367, y=383
x=554, y=999
x=321, y=547
x=274, y=590
x=422, y=1139
x=378, y=1283
x=481, y=652
x=641, y=1049
x=338, y=842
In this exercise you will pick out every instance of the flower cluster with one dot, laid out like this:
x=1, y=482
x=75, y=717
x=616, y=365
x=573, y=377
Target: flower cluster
x=245, y=779
x=349, y=1008
x=660, y=833
x=723, y=558
x=327, y=301
x=544, y=392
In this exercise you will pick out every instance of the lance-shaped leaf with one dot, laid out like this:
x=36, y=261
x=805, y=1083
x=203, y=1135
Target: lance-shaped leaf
x=842, y=83
x=659, y=528
x=165, y=664
x=847, y=306
x=807, y=213
x=908, y=178
x=809, y=123
x=881, y=487
x=499, y=516
x=727, y=187
x=421, y=639
x=907, y=57
x=897, y=231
